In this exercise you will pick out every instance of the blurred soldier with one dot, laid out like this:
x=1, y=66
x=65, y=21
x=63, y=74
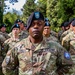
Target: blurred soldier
x=69, y=44
x=53, y=33
x=23, y=34
x=3, y=36
x=2, y=39
x=69, y=30
x=66, y=27
x=9, y=43
x=36, y=56
x=3, y=28
x=46, y=33
x=68, y=37
x=3, y=31
x=61, y=31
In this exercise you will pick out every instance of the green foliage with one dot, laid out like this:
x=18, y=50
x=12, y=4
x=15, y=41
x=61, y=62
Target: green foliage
x=42, y=6
x=59, y=11
x=28, y=8
x=9, y=19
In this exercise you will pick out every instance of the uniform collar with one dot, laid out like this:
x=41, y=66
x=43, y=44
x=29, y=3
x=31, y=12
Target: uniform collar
x=32, y=46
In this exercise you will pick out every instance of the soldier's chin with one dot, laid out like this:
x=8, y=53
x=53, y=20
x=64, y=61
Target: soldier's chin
x=36, y=36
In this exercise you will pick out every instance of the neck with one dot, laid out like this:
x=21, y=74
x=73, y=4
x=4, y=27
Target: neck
x=47, y=35
x=16, y=36
x=33, y=40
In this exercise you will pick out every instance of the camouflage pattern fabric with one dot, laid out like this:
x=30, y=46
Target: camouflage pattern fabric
x=65, y=33
x=22, y=35
x=45, y=58
x=51, y=38
x=67, y=38
x=59, y=35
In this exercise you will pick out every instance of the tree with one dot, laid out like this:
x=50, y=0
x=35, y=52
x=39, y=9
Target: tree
x=42, y=5
x=9, y=19
x=28, y=8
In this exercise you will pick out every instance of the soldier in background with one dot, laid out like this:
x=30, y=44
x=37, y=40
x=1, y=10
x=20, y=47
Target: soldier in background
x=66, y=40
x=9, y=43
x=53, y=33
x=66, y=27
x=69, y=43
x=3, y=36
x=2, y=39
x=47, y=31
x=23, y=34
x=3, y=28
x=36, y=56
x=61, y=31
x=69, y=30
x=3, y=31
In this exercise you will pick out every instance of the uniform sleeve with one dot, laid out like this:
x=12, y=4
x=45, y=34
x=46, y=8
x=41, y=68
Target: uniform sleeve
x=9, y=64
x=64, y=61
x=65, y=41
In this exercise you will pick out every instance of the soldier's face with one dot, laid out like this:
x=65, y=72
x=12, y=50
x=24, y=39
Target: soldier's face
x=3, y=29
x=73, y=28
x=46, y=30
x=16, y=31
x=36, y=29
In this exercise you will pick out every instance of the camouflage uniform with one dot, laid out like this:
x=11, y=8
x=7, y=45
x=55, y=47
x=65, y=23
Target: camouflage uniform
x=59, y=34
x=65, y=33
x=51, y=38
x=53, y=33
x=22, y=35
x=10, y=43
x=46, y=58
x=67, y=38
x=2, y=39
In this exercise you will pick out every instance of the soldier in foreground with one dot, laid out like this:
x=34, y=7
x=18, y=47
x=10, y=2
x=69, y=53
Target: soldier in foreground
x=35, y=55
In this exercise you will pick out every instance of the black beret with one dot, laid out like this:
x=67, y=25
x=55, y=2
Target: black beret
x=70, y=21
x=17, y=20
x=66, y=24
x=34, y=16
x=15, y=26
x=3, y=25
x=46, y=19
x=73, y=23
x=47, y=24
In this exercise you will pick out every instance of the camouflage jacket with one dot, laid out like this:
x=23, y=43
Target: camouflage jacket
x=66, y=40
x=65, y=33
x=51, y=38
x=22, y=34
x=10, y=43
x=45, y=58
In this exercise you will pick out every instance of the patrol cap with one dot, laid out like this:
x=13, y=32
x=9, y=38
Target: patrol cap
x=15, y=26
x=66, y=24
x=3, y=25
x=73, y=23
x=47, y=24
x=34, y=16
x=17, y=20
